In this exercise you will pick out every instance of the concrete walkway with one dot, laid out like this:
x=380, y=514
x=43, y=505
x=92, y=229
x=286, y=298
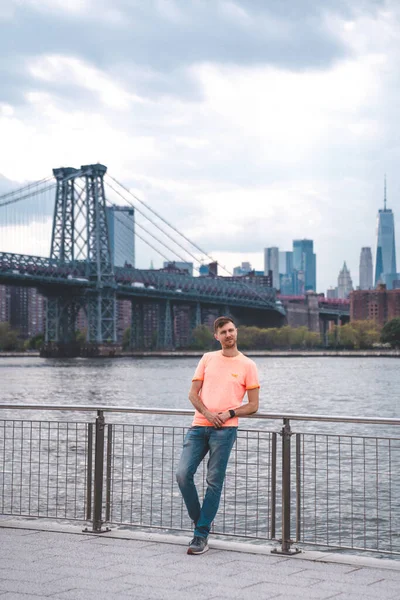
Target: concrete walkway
x=62, y=563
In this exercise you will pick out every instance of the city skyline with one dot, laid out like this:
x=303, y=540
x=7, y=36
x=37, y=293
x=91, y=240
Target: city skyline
x=126, y=242
x=284, y=136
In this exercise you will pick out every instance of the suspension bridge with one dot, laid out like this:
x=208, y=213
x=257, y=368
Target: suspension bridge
x=67, y=213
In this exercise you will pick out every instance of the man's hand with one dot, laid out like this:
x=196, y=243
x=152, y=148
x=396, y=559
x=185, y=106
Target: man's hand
x=214, y=418
x=224, y=416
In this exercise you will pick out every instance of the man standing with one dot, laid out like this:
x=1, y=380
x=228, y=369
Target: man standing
x=218, y=388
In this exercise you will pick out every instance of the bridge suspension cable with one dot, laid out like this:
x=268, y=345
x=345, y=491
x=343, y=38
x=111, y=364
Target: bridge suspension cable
x=245, y=284
x=7, y=198
x=159, y=228
x=149, y=244
x=28, y=195
x=203, y=252
x=178, y=239
x=26, y=226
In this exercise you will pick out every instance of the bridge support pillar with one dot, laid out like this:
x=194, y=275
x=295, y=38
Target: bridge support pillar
x=225, y=311
x=195, y=317
x=61, y=316
x=101, y=313
x=137, y=320
x=165, y=331
x=101, y=310
x=325, y=328
x=60, y=338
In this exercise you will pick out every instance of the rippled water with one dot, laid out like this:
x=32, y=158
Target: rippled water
x=367, y=387
x=343, y=478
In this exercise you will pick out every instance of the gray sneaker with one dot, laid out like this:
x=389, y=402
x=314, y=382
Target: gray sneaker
x=198, y=545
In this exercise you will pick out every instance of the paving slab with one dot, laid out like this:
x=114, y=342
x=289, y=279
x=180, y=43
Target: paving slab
x=61, y=562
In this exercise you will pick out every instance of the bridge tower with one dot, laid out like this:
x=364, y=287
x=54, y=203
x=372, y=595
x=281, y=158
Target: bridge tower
x=80, y=235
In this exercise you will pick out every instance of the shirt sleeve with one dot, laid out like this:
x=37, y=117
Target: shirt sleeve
x=199, y=372
x=252, y=377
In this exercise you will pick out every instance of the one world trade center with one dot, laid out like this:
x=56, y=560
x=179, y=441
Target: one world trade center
x=385, y=266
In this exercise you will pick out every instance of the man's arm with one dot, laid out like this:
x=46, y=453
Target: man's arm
x=212, y=417
x=249, y=408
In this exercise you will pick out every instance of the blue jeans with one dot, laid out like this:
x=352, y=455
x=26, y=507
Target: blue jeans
x=199, y=441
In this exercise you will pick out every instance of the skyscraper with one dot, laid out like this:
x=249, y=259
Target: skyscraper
x=121, y=228
x=385, y=265
x=271, y=263
x=345, y=284
x=366, y=269
x=244, y=269
x=305, y=260
x=285, y=263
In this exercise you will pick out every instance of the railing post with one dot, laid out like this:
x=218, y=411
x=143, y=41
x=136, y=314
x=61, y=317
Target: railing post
x=273, y=486
x=286, y=540
x=89, y=472
x=108, y=473
x=298, y=487
x=98, y=475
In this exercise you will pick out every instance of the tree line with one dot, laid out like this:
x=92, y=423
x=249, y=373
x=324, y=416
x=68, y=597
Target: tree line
x=357, y=335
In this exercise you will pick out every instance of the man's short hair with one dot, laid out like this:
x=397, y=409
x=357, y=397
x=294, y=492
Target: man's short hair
x=221, y=321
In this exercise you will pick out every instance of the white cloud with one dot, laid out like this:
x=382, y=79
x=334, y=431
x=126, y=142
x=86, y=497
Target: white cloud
x=44, y=135
x=260, y=156
x=32, y=238
x=69, y=71
x=287, y=114
x=71, y=6
x=170, y=11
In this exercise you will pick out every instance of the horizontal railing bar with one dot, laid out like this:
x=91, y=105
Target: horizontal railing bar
x=189, y=412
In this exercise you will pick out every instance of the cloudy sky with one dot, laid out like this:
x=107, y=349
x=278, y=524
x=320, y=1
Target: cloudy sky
x=247, y=123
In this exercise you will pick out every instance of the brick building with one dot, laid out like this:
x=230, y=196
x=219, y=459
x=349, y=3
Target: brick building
x=124, y=318
x=4, y=304
x=36, y=312
x=23, y=308
x=380, y=305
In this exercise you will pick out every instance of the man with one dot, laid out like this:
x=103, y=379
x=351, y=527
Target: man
x=218, y=388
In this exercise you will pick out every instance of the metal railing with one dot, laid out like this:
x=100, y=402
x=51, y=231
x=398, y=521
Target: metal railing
x=323, y=489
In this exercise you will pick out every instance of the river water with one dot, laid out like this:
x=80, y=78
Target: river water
x=349, y=491
x=366, y=387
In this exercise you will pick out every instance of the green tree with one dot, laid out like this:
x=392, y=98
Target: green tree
x=357, y=335
x=312, y=339
x=255, y=338
x=284, y=337
x=250, y=337
x=35, y=342
x=9, y=339
x=126, y=339
x=271, y=338
x=203, y=338
x=80, y=336
x=391, y=333
x=346, y=336
x=366, y=333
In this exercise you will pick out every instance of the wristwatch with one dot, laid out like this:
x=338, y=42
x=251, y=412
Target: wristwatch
x=232, y=413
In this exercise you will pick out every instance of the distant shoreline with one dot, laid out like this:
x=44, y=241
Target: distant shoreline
x=253, y=353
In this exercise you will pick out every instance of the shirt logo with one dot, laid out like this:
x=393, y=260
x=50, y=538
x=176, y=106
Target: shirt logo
x=235, y=374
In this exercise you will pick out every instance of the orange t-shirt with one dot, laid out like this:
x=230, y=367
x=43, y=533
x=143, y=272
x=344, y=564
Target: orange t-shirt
x=225, y=382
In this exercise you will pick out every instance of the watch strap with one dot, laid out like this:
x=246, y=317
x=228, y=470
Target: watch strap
x=232, y=413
